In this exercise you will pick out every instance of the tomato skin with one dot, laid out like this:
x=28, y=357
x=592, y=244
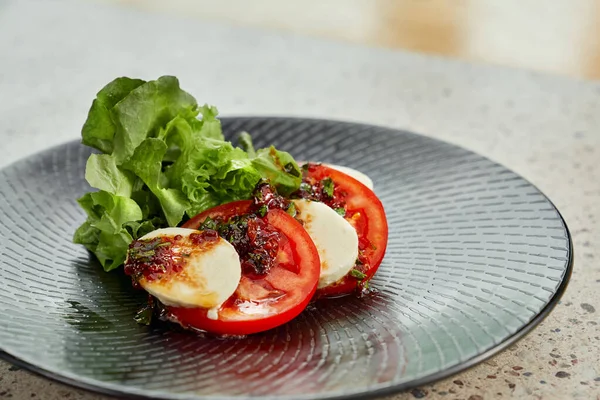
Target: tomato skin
x=298, y=288
x=197, y=318
x=365, y=212
x=224, y=211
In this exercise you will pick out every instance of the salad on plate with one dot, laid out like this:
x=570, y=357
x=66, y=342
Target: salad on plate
x=226, y=239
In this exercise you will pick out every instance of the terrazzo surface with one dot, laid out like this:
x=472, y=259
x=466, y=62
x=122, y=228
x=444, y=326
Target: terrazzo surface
x=55, y=55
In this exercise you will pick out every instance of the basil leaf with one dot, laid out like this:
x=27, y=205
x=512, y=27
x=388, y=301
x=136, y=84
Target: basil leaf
x=357, y=274
x=328, y=187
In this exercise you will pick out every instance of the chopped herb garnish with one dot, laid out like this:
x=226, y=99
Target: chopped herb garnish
x=143, y=254
x=262, y=211
x=208, y=223
x=306, y=187
x=291, y=210
x=357, y=274
x=328, y=187
x=265, y=194
x=145, y=250
x=291, y=169
x=144, y=316
x=341, y=211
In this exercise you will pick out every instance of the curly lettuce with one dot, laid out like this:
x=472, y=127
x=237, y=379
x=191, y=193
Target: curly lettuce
x=163, y=159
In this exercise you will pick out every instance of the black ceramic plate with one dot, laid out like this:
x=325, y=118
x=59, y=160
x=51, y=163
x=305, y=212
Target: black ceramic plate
x=477, y=256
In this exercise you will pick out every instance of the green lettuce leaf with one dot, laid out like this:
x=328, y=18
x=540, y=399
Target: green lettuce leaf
x=145, y=110
x=212, y=172
x=103, y=232
x=164, y=159
x=245, y=141
x=99, y=129
x=138, y=229
x=102, y=173
x=280, y=168
x=146, y=163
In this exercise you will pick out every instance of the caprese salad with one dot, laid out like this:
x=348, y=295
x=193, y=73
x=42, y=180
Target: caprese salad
x=227, y=240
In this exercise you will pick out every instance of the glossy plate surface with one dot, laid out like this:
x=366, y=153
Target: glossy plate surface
x=476, y=257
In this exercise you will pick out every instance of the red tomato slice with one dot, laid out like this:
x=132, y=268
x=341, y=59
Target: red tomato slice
x=224, y=211
x=365, y=212
x=262, y=302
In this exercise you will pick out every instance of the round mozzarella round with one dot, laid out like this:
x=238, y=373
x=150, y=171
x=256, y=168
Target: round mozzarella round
x=208, y=275
x=336, y=240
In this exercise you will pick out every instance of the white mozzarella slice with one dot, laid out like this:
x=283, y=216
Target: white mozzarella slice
x=359, y=176
x=336, y=240
x=209, y=275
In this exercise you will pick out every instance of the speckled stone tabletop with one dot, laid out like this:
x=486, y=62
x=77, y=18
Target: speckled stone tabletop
x=55, y=55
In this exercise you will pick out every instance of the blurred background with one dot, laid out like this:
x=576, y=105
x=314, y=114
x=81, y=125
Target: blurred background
x=559, y=36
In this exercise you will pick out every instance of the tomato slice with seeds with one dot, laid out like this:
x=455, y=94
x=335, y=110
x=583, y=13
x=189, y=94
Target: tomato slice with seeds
x=262, y=301
x=364, y=211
